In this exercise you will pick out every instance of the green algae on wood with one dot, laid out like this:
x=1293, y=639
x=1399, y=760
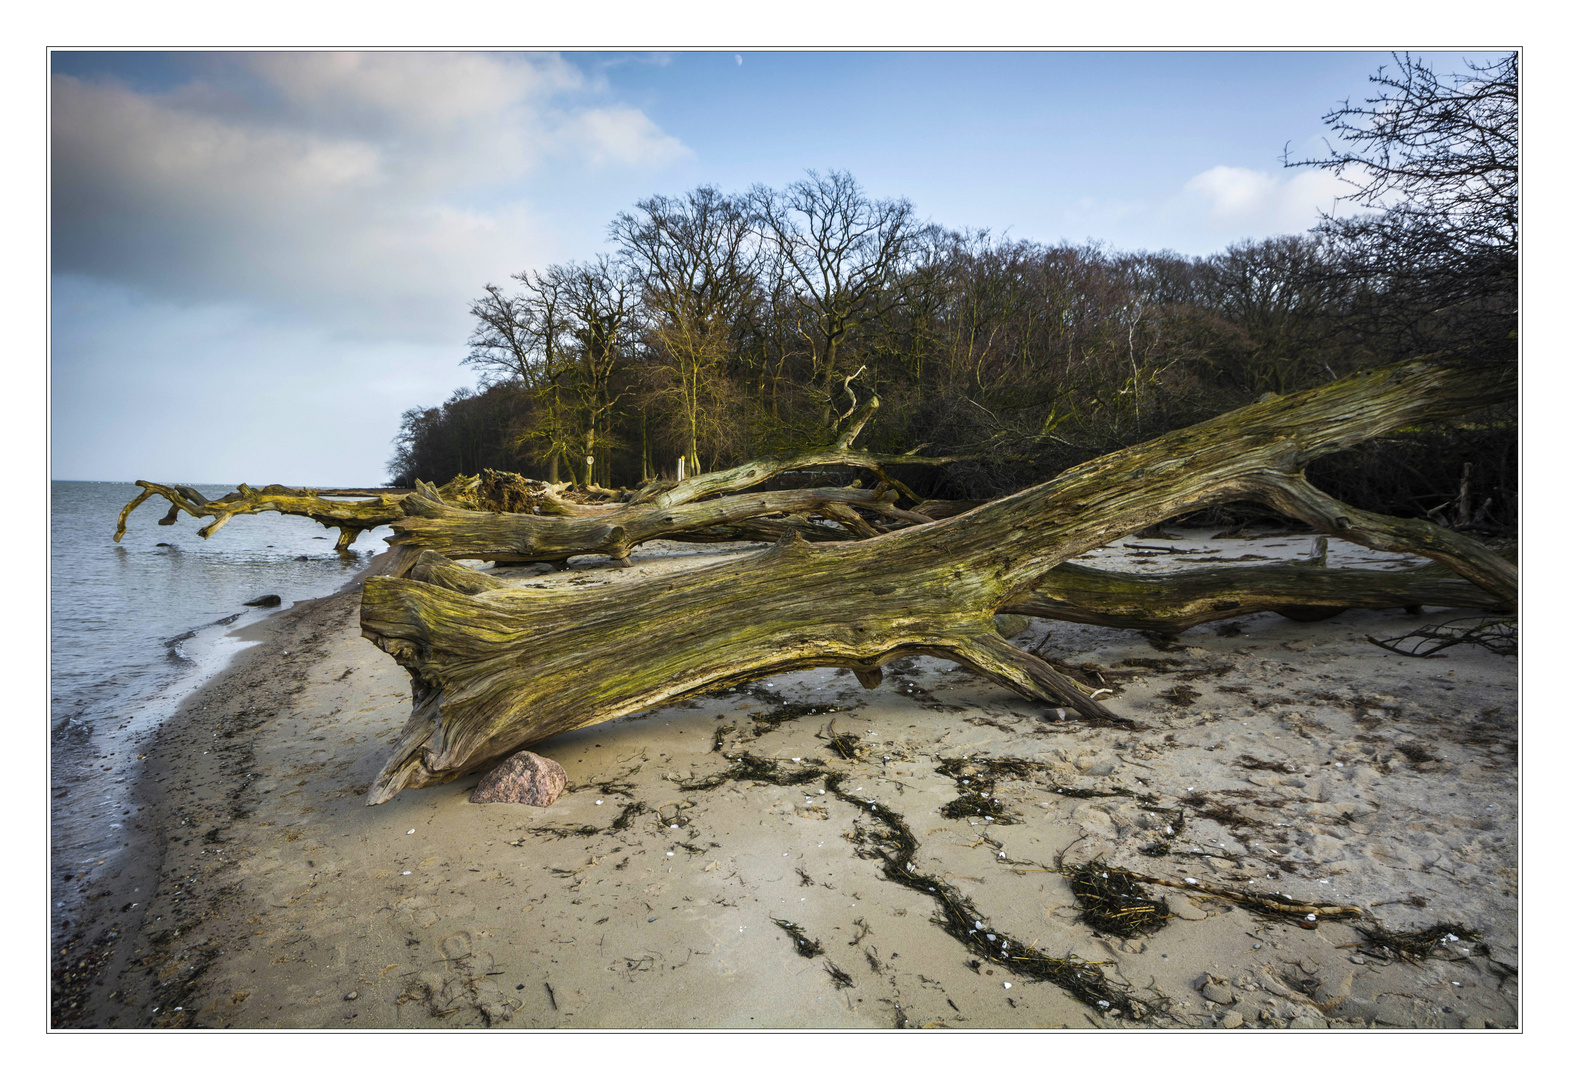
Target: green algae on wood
x=499, y=670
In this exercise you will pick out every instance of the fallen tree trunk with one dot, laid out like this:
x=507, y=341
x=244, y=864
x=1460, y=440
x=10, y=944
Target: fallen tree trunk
x=377, y=508
x=1172, y=603
x=510, y=517
x=1163, y=603
x=495, y=672
x=372, y=507
x=435, y=525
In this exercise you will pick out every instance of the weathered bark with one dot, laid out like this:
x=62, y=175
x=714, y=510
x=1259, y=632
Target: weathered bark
x=756, y=472
x=532, y=520
x=1172, y=603
x=498, y=671
x=1165, y=603
x=435, y=525
x=377, y=508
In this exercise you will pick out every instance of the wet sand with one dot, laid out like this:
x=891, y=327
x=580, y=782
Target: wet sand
x=1266, y=757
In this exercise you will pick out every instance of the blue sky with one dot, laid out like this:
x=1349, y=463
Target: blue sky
x=286, y=244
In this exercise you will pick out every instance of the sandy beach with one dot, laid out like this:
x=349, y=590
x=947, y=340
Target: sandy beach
x=679, y=884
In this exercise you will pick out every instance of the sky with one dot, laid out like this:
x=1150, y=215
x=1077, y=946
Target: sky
x=259, y=260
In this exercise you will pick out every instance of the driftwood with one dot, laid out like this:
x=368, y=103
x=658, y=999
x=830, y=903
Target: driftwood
x=1174, y=602
x=497, y=671
x=374, y=508
x=435, y=525
x=508, y=517
x=1163, y=603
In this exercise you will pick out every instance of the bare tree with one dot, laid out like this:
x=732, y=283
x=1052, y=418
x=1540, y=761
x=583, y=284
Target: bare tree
x=840, y=250
x=1436, y=159
x=562, y=336
x=697, y=266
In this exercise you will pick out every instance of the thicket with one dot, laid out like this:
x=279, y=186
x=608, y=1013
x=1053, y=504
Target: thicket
x=723, y=326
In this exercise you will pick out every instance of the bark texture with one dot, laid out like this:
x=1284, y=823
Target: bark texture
x=497, y=670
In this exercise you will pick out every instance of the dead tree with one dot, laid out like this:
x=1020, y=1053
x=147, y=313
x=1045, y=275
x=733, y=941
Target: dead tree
x=497, y=671
x=435, y=525
x=511, y=518
x=376, y=507
x=1304, y=590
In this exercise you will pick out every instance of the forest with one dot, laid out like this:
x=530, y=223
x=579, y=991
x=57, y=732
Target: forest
x=722, y=327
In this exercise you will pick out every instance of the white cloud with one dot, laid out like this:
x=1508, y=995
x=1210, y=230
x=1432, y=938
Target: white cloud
x=1250, y=202
x=370, y=193
x=622, y=136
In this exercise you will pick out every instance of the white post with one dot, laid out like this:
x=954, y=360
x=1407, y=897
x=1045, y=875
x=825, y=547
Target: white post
x=681, y=468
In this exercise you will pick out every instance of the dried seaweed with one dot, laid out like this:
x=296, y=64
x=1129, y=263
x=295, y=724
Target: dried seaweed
x=891, y=842
x=804, y=945
x=840, y=978
x=760, y=770
x=988, y=770
x=1413, y=945
x=630, y=811
x=975, y=804
x=1113, y=902
x=846, y=746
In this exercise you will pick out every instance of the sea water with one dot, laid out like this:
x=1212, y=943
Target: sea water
x=136, y=625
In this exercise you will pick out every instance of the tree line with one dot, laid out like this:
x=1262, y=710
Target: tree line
x=721, y=326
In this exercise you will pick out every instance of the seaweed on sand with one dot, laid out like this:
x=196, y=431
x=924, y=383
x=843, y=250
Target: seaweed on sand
x=988, y=770
x=762, y=725
x=759, y=770
x=1113, y=901
x=892, y=842
x=803, y=944
x=631, y=811
x=846, y=746
x=1413, y=945
x=975, y=804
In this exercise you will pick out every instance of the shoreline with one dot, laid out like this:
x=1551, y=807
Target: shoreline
x=96, y=955
x=642, y=901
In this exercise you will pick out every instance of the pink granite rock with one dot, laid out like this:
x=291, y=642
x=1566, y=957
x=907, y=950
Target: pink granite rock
x=523, y=778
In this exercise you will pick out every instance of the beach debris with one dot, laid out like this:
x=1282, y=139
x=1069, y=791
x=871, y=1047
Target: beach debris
x=1114, y=902
x=525, y=778
x=1501, y=636
x=805, y=945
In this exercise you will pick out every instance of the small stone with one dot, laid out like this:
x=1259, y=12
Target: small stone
x=1309, y=1022
x=1220, y=995
x=270, y=600
x=1232, y=1019
x=525, y=778
x=351, y=995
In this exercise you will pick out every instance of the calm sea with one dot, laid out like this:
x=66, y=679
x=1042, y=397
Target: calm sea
x=135, y=626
